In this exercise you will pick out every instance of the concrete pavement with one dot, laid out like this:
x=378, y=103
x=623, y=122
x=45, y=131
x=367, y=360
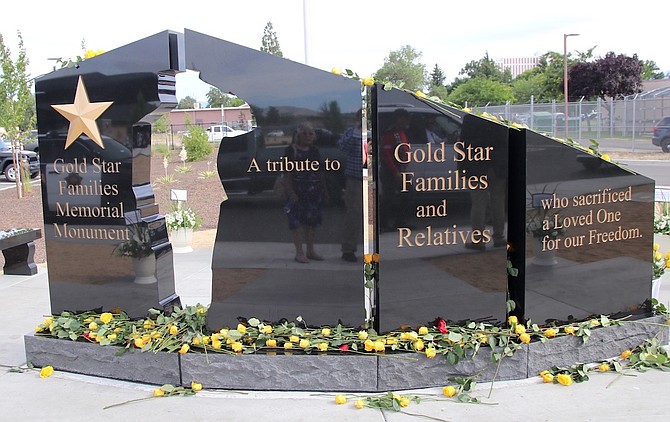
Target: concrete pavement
x=72, y=397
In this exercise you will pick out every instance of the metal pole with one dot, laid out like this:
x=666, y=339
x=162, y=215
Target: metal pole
x=565, y=78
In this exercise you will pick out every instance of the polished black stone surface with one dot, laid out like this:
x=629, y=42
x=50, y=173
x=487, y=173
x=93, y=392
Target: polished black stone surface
x=583, y=232
x=254, y=270
x=97, y=199
x=441, y=213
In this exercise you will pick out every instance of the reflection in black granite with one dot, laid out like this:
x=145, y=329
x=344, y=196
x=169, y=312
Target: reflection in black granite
x=254, y=270
x=92, y=196
x=588, y=232
x=439, y=171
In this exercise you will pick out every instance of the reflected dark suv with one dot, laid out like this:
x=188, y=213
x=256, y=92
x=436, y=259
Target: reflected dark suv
x=661, y=136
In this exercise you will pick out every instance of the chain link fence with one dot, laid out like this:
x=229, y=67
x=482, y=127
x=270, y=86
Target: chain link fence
x=632, y=117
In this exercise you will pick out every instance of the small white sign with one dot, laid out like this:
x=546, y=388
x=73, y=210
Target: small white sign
x=178, y=194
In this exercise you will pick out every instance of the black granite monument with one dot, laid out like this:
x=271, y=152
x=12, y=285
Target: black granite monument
x=100, y=218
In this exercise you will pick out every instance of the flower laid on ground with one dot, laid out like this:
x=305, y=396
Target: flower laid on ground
x=46, y=372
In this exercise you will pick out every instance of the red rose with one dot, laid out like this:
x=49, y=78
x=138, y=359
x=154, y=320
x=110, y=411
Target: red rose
x=344, y=347
x=442, y=326
x=86, y=335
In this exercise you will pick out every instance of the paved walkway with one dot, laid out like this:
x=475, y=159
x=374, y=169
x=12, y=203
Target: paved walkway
x=72, y=397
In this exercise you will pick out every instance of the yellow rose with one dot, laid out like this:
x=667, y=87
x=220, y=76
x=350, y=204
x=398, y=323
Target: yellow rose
x=380, y=346
x=423, y=331
x=148, y=324
x=547, y=376
x=38, y=329
x=391, y=340
x=304, y=343
x=294, y=339
x=184, y=348
x=483, y=339
x=155, y=335
x=267, y=329
x=173, y=329
x=467, y=110
x=216, y=343
x=564, y=379
x=93, y=326
x=340, y=399
x=367, y=258
x=519, y=329
x=139, y=343
x=158, y=392
x=656, y=247
x=236, y=346
x=419, y=93
x=375, y=257
x=271, y=342
x=430, y=352
x=550, y=332
x=49, y=320
x=325, y=332
x=46, y=372
x=525, y=338
x=241, y=328
x=512, y=320
x=369, y=345
x=603, y=367
x=106, y=317
x=658, y=256
x=605, y=157
x=359, y=404
x=368, y=81
x=418, y=345
x=569, y=330
x=195, y=341
x=205, y=339
x=335, y=71
x=363, y=335
x=111, y=336
x=594, y=323
x=626, y=354
x=323, y=347
x=412, y=335
x=403, y=402
x=196, y=386
x=449, y=391
x=288, y=345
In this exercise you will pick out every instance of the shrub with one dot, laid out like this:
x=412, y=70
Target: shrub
x=196, y=144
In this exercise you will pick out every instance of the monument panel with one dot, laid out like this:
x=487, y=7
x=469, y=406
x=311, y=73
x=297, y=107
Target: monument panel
x=94, y=130
x=584, y=236
x=441, y=182
x=281, y=257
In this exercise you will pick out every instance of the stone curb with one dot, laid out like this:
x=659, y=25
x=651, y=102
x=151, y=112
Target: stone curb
x=321, y=372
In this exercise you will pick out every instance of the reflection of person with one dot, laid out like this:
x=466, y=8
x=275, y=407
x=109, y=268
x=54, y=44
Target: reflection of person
x=351, y=143
x=306, y=189
x=492, y=137
x=394, y=202
x=431, y=135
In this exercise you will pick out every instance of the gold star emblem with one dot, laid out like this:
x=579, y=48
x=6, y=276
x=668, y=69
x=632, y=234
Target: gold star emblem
x=82, y=115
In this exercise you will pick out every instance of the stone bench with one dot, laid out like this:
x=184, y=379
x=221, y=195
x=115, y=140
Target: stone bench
x=18, y=248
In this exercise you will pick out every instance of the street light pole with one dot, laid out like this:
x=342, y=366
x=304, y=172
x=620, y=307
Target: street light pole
x=565, y=79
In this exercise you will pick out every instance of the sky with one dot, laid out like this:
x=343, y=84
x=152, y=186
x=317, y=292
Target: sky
x=354, y=34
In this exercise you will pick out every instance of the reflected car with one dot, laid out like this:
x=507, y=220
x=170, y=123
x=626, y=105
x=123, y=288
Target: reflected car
x=7, y=162
x=661, y=136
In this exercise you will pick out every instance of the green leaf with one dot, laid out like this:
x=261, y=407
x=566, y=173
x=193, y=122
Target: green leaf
x=455, y=337
x=168, y=388
x=253, y=322
x=452, y=358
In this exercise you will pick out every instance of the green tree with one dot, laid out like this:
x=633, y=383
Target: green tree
x=533, y=84
x=196, y=144
x=480, y=92
x=187, y=102
x=402, y=68
x=162, y=124
x=17, y=105
x=486, y=68
x=217, y=98
x=270, y=43
x=437, y=76
x=650, y=70
x=612, y=76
